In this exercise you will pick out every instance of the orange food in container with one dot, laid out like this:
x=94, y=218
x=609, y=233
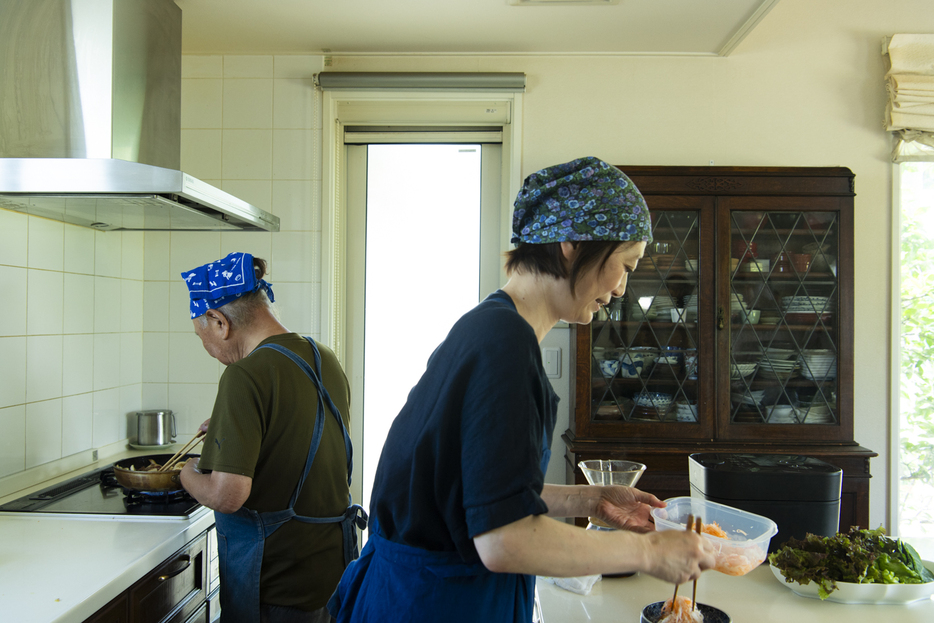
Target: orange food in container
x=740, y=538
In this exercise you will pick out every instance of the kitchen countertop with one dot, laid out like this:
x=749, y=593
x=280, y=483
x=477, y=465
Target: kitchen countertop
x=755, y=597
x=63, y=569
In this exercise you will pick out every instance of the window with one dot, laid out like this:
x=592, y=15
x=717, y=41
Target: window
x=916, y=382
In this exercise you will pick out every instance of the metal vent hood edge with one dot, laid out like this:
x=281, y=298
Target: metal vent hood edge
x=91, y=131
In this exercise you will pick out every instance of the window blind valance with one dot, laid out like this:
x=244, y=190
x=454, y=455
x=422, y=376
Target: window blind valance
x=909, y=82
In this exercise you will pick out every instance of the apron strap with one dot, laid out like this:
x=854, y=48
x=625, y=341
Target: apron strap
x=319, y=417
x=354, y=517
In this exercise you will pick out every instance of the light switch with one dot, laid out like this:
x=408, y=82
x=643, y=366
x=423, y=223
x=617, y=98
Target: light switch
x=552, y=360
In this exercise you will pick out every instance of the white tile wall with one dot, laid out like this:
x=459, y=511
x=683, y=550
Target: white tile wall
x=95, y=325
x=13, y=241
x=62, y=335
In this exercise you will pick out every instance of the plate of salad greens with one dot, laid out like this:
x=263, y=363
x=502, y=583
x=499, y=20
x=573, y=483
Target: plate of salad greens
x=857, y=567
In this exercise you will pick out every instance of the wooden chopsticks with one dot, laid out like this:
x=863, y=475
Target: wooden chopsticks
x=697, y=528
x=178, y=455
x=689, y=527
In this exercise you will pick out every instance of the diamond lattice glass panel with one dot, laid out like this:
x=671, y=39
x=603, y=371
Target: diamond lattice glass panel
x=645, y=344
x=783, y=302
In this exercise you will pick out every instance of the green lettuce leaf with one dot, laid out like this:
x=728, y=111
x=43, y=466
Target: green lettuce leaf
x=858, y=556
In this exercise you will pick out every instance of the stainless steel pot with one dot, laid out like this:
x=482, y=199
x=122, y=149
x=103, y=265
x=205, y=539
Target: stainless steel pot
x=155, y=428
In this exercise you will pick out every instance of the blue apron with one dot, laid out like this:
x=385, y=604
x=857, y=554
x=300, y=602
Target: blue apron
x=391, y=582
x=241, y=535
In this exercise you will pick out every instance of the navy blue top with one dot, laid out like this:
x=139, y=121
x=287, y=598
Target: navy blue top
x=464, y=456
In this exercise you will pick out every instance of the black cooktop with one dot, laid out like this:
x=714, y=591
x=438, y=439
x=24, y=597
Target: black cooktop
x=97, y=493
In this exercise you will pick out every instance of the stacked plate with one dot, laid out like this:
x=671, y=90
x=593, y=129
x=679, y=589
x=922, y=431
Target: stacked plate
x=806, y=309
x=662, y=305
x=781, y=414
x=770, y=317
x=742, y=370
x=780, y=369
x=685, y=412
x=690, y=306
x=779, y=354
x=736, y=304
x=806, y=304
x=818, y=364
x=748, y=398
x=666, y=262
x=815, y=414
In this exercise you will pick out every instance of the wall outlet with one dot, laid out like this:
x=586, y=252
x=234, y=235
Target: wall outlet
x=93, y=455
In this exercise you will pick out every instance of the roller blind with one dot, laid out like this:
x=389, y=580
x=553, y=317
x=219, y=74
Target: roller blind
x=430, y=81
x=909, y=82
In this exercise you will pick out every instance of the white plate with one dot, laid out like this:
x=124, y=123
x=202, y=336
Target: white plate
x=850, y=593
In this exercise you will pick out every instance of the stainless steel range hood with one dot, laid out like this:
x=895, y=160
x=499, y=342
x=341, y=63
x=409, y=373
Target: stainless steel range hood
x=90, y=119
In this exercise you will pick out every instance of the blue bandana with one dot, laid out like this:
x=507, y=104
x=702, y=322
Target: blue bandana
x=220, y=282
x=585, y=199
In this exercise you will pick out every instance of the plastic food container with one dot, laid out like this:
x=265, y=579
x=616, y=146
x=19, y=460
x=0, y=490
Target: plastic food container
x=748, y=535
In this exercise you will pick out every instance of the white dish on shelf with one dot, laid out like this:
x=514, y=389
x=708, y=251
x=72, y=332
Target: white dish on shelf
x=852, y=593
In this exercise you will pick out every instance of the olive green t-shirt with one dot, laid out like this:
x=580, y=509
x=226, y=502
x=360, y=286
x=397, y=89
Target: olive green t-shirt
x=261, y=427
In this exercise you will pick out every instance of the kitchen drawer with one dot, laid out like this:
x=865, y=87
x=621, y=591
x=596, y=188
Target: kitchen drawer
x=174, y=590
x=200, y=616
x=117, y=611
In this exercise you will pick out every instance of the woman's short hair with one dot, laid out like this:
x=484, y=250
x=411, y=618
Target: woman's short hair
x=547, y=259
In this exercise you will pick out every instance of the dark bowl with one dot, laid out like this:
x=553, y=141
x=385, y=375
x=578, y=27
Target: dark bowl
x=653, y=612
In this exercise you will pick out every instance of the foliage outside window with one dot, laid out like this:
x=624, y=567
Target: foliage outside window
x=916, y=460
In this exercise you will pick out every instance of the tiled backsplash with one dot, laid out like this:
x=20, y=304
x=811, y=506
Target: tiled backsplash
x=71, y=346
x=95, y=325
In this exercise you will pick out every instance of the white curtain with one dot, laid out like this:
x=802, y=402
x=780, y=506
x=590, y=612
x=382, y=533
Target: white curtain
x=909, y=113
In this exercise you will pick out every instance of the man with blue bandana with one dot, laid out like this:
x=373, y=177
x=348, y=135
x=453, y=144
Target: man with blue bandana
x=461, y=517
x=277, y=457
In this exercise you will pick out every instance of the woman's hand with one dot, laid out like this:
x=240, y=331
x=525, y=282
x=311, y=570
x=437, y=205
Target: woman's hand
x=677, y=556
x=204, y=426
x=627, y=508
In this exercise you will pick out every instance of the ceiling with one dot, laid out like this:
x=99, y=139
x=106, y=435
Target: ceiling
x=439, y=27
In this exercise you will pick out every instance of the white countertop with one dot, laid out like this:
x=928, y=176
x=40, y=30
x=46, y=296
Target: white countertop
x=64, y=569
x=756, y=597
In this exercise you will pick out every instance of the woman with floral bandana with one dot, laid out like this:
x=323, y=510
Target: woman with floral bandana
x=461, y=519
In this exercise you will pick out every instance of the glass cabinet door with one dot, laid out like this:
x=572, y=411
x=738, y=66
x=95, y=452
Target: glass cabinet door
x=650, y=365
x=784, y=328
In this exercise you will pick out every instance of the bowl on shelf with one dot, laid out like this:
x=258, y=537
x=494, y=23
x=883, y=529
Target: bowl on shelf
x=631, y=365
x=657, y=400
x=609, y=367
x=692, y=265
x=750, y=316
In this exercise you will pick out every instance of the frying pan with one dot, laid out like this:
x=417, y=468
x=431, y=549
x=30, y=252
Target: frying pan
x=152, y=480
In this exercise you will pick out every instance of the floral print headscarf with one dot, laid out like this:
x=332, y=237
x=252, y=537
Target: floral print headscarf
x=585, y=199
x=222, y=281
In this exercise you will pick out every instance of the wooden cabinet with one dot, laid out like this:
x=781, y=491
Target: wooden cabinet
x=735, y=333
x=173, y=592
